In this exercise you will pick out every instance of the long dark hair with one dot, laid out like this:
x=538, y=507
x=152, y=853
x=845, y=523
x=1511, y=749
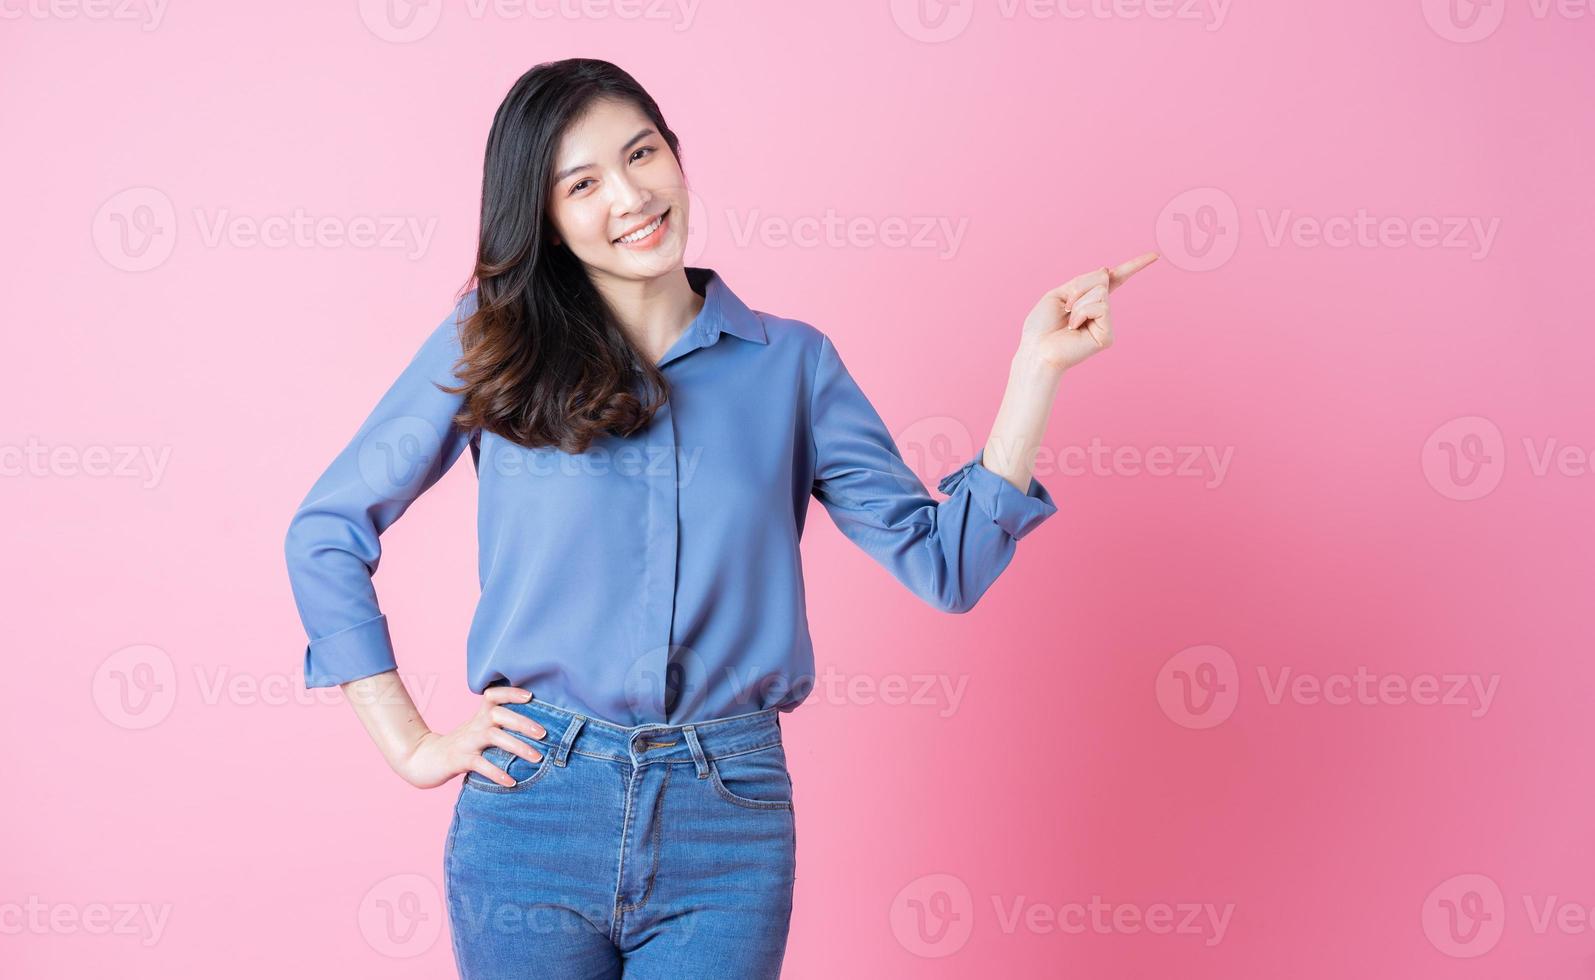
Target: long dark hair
x=544, y=362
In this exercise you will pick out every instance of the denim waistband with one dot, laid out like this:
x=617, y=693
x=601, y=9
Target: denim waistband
x=571, y=731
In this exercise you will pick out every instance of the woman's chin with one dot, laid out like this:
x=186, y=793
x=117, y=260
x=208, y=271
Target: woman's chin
x=653, y=262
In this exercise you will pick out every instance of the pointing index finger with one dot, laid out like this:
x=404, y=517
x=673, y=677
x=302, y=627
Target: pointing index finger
x=1118, y=274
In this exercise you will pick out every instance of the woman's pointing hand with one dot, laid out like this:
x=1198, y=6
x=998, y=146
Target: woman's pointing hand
x=1072, y=322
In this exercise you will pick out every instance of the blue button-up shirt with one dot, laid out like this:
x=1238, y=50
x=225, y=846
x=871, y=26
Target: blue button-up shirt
x=654, y=578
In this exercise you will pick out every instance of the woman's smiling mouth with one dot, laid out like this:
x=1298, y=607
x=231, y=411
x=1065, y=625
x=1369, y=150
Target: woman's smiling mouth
x=645, y=234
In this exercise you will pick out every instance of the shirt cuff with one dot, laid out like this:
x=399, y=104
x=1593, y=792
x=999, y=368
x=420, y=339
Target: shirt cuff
x=1014, y=512
x=350, y=654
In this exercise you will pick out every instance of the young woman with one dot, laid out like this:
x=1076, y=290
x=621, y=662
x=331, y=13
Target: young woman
x=645, y=445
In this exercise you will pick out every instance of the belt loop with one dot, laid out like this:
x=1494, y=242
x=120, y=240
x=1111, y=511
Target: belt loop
x=562, y=753
x=697, y=752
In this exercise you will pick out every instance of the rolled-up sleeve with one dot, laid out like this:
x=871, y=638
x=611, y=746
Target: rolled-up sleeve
x=949, y=552
x=333, y=544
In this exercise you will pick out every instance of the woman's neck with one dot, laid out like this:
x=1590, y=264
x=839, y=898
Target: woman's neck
x=654, y=313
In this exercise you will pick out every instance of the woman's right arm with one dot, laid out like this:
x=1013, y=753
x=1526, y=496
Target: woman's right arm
x=333, y=547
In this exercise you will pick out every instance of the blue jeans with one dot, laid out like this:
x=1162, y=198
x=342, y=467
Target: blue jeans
x=656, y=851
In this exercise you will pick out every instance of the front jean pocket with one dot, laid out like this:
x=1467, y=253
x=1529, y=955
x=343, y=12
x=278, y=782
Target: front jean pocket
x=757, y=780
x=524, y=773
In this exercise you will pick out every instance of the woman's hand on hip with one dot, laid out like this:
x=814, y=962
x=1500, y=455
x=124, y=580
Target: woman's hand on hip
x=438, y=757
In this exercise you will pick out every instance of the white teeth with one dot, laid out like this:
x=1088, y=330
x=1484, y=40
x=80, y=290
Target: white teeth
x=642, y=233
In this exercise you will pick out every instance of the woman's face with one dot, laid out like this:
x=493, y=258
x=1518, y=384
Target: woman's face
x=614, y=174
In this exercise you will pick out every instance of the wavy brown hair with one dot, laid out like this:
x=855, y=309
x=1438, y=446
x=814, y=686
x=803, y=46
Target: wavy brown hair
x=544, y=361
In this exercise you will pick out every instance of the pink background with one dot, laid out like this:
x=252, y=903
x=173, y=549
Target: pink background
x=1116, y=728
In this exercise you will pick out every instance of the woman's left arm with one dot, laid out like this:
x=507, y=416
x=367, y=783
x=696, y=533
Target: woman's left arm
x=949, y=552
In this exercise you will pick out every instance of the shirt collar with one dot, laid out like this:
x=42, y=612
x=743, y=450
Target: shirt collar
x=723, y=311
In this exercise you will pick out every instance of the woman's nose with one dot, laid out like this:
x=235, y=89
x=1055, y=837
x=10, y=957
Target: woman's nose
x=629, y=198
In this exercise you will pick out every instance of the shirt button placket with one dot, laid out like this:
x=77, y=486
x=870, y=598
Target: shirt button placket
x=659, y=597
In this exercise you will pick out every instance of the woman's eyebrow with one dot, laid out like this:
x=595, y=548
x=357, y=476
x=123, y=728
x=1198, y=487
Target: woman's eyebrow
x=583, y=166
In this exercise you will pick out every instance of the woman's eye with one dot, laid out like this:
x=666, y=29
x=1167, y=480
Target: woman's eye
x=574, y=188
